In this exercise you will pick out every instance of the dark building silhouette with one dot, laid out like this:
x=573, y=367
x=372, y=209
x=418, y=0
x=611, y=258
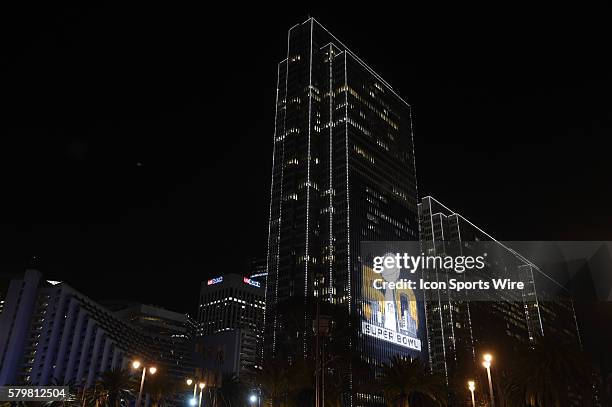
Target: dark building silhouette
x=171, y=336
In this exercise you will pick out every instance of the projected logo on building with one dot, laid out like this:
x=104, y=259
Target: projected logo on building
x=389, y=315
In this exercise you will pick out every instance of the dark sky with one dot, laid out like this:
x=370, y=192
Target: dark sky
x=136, y=140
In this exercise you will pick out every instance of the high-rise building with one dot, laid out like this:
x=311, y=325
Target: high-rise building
x=460, y=327
x=230, y=321
x=342, y=172
x=51, y=333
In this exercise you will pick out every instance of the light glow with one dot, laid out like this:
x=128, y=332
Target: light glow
x=214, y=281
x=249, y=281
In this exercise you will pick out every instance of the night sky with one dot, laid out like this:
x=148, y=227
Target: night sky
x=137, y=141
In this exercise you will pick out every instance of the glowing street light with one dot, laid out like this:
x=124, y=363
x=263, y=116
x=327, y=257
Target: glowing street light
x=202, y=385
x=472, y=387
x=255, y=399
x=193, y=401
x=487, y=364
x=152, y=369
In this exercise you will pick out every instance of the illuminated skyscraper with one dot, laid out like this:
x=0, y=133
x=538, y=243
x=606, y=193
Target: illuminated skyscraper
x=230, y=319
x=343, y=172
x=461, y=327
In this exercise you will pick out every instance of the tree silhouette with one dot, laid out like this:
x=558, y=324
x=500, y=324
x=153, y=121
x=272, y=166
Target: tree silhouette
x=408, y=382
x=115, y=384
x=546, y=374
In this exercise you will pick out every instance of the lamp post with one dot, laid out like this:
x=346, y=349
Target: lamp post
x=472, y=387
x=202, y=386
x=152, y=369
x=487, y=364
x=195, y=388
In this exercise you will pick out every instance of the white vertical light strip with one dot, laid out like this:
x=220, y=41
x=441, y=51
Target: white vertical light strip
x=271, y=194
x=526, y=310
x=348, y=211
x=330, y=251
x=576, y=322
x=448, y=293
x=535, y=291
x=416, y=189
x=433, y=240
x=307, y=254
x=420, y=205
x=348, y=217
x=467, y=303
x=280, y=204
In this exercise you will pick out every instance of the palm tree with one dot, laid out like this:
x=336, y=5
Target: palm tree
x=233, y=391
x=273, y=381
x=71, y=399
x=116, y=384
x=546, y=373
x=408, y=382
x=161, y=389
x=92, y=396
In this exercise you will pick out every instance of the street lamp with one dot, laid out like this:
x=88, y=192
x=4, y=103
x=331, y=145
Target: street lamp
x=202, y=386
x=487, y=364
x=152, y=369
x=195, y=387
x=472, y=387
x=254, y=398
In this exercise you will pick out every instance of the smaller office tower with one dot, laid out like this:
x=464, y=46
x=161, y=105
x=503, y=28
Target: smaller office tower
x=231, y=305
x=460, y=327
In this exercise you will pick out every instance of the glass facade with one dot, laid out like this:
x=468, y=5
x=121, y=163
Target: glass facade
x=343, y=172
x=461, y=327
